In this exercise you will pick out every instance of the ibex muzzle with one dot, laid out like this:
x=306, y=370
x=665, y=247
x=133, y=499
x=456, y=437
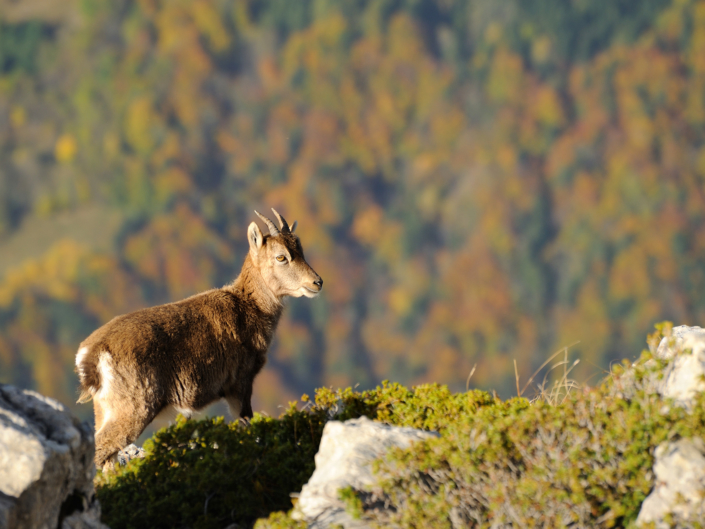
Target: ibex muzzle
x=190, y=353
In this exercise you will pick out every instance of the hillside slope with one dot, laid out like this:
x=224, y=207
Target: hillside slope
x=475, y=184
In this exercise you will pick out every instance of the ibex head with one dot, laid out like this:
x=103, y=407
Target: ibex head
x=280, y=259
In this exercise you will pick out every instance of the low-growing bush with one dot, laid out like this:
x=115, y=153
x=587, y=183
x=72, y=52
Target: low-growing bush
x=584, y=463
x=207, y=473
x=584, y=460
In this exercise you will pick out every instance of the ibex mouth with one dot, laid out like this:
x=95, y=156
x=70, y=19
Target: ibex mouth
x=309, y=293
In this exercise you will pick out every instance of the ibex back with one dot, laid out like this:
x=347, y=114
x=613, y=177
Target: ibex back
x=193, y=352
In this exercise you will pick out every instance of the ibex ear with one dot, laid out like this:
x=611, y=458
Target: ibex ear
x=254, y=236
x=293, y=226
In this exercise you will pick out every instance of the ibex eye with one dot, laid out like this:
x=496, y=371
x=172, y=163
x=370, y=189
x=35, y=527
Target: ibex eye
x=281, y=258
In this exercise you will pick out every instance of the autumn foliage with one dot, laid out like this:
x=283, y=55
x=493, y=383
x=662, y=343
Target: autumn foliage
x=474, y=184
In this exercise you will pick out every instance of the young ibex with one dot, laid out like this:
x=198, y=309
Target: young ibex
x=188, y=354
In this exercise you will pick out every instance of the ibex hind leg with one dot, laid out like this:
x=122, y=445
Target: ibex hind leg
x=98, y=414
x=122, y=425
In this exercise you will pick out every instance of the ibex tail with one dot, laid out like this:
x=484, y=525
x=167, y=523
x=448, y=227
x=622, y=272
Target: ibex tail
x=88, y=373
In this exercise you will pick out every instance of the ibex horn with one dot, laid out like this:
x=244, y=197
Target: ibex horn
x=273, y=231
x=282, y=223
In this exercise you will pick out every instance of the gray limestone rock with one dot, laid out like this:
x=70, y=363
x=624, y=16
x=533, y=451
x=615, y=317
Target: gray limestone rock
x=681, y=379
x=679, y=485
x=343, y=460
x=46, y=465
x=129, y=453
x=679, y=469
x=684, y=377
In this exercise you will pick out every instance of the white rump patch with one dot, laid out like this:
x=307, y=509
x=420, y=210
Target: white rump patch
x=107, y=414
x=107, y=376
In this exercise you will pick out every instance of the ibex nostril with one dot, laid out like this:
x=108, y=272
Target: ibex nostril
x=318, y=282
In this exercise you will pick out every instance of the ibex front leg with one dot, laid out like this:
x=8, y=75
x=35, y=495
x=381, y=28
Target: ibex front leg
x=246, y=412
x=240, y=402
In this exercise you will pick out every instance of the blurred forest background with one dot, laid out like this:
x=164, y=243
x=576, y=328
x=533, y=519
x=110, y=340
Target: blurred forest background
x=475, y=181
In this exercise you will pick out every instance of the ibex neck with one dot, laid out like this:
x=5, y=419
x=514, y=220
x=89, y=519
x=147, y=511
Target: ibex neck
x=250, y=284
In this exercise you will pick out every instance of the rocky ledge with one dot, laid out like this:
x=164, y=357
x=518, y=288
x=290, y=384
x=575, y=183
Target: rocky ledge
x=46, y=465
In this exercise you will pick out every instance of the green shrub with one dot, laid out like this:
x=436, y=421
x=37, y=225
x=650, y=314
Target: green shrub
x=281, y=520
x=586, y=462
x=205, y=474
x=208, y=473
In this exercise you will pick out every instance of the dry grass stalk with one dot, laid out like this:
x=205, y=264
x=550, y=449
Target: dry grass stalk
x=467, y=382
x=561, y=388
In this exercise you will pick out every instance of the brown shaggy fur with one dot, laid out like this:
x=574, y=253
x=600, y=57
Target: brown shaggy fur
x=193, y=352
